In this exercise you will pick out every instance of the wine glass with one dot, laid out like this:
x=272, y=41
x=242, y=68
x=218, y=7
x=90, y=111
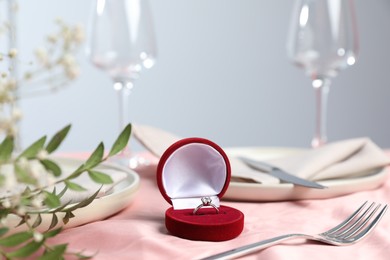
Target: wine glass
x=323, y=39
x=121, y=42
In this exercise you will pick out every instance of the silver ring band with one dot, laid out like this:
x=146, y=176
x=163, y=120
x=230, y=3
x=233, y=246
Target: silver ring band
x=206, y=202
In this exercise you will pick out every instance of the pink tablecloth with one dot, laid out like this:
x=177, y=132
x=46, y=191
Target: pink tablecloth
x=138, y=232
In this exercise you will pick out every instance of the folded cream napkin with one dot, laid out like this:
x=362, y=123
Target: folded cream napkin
x=343, y=159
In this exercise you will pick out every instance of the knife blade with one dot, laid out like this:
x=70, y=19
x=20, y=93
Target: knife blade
x=279, y=173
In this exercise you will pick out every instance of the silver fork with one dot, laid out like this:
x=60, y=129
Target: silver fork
x=353, y=229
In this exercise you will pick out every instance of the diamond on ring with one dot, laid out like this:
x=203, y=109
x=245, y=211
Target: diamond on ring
x=206, y=202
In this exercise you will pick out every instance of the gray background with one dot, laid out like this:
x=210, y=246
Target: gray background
x=222, y=73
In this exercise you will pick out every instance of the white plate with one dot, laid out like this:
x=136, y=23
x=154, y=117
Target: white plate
x=241, y=191
x=119, y=198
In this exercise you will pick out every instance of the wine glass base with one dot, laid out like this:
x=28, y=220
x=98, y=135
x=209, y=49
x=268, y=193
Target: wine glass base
x=133, y=162
x=138, y=161
x=317, y=142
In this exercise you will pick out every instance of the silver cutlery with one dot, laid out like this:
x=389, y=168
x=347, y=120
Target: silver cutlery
x=350, y=231
x=279, y=173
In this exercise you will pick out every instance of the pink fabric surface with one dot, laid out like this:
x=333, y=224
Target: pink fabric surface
x=138, y=232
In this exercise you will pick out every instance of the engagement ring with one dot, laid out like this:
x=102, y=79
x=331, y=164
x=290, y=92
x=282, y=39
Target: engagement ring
x=206, y=202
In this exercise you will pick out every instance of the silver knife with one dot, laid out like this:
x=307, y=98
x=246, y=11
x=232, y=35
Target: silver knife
x=280, y=174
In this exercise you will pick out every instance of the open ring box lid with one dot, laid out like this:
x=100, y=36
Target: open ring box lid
x=189, y=170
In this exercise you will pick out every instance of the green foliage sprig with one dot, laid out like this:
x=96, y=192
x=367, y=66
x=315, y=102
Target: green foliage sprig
x=39, y=196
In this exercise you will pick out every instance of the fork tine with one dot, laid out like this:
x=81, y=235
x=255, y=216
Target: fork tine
x=370, y=227
x=357, y=222
x=345, y=222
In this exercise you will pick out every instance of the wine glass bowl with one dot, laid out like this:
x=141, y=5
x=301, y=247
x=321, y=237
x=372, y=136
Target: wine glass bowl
x=121, y=42
x=323, y=39
x=121, y=38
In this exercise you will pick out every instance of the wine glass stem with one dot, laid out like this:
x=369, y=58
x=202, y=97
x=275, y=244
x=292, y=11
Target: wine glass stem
x=321, y=87
x=123, y=89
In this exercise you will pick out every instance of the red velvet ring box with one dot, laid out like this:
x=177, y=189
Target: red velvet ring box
x=189, y=170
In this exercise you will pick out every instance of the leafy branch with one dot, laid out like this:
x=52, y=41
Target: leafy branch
x=29, y=181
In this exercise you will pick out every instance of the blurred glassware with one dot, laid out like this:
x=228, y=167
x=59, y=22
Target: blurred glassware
x=323, y=39
x=121, y=42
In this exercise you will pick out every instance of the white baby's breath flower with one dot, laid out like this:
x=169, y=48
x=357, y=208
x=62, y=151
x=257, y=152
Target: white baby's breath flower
x=4, y=122
x=10, y=182
x=37, y=201
x=21, y=210
x=23, y=162
x=52, y=38
x=50, y=180
x=68, y=60
x=9, y=177
x=27, y=75
x=72, y=72
x=12, y=130
x=71, y=68
x=17, y=114
x=12, y=53
x=35, y=169
x=4, y=221
x=78, y=34
x=8, y=125
x=6, y=203
x=42, y=56
x=4, y=97
x=42, y=155
x=11, y=83
x=38, y=237
x=66, y=34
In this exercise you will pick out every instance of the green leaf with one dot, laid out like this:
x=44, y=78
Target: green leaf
x=22, y=221
x=52, y=233
x=74, y=186
x=61, y=208
x=96, y=157
x=54, y=221
x=59, y=195
x=57, y=139
x=6, y=148
x=67, y=217
x=121, y=141
x=33, y=149
x=84, y=203
x=77, y=172
x=37, y=221
x=56, y=253
x=16, y=239
x=51, y=167
x=26, y=250
x=4, y=212
x=51, y=200
x=100, y=177
x=3, y=231
x=23, y=176
x=26, y=192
